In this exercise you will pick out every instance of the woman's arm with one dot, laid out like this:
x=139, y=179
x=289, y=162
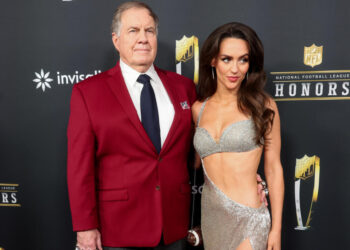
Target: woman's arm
x=274, y=176
x=195, y=112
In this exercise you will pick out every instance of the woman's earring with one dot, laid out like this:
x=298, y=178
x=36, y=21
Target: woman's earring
x=212, y=73
x=246, y=77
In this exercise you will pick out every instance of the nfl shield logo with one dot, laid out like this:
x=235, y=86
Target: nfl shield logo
x=185, y=48
x=313, y=55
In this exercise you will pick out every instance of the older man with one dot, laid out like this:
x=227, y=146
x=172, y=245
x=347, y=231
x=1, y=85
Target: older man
x=129, y=137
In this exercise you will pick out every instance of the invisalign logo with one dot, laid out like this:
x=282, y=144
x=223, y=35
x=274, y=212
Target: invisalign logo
x=43, y=80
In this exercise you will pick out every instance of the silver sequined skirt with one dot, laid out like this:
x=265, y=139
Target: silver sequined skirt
x=226, y=223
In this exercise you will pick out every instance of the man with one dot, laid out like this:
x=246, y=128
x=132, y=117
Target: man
x=129, y=137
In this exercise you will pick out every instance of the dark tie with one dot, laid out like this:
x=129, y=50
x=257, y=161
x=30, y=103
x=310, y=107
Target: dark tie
x=149, y=111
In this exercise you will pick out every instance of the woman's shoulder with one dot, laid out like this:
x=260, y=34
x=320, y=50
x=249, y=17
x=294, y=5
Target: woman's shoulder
x=196, y=107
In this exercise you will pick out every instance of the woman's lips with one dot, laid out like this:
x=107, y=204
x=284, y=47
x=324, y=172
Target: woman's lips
x=233, y=78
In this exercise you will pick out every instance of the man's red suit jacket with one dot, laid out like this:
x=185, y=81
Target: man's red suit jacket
x=117, y=181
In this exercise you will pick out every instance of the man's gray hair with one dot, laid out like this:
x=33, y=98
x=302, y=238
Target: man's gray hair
x=116, y=22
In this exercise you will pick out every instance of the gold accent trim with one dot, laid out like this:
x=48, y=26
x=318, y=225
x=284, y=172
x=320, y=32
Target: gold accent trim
x=10, y=205
x=316, y=186
x=8, y=191
x=329, y=80
x=311, y=99
x=311, y=72
x=196, y=60
x=11, y=185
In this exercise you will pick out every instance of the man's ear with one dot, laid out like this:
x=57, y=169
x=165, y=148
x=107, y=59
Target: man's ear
x=115, y=40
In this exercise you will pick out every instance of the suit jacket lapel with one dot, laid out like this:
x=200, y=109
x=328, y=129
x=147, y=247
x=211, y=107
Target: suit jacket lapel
x=119, y=89
x=169, y=86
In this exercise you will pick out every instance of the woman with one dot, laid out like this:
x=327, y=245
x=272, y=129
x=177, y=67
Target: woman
x=236, y=121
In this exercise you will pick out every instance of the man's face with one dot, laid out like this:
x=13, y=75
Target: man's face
x=137, y=42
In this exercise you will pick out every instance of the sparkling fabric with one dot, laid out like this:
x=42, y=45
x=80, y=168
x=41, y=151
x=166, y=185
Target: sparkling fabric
x=226, y=224
x=237, y=137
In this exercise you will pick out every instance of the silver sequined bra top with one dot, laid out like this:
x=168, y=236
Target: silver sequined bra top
x=237, y=137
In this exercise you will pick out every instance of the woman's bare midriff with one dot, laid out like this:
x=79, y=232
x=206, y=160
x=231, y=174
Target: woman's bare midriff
x=234, y=173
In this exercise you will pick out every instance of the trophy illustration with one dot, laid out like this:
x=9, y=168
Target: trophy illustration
x=305, y=169
x=186, y=49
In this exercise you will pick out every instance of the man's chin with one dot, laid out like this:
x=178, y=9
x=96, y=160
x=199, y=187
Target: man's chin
x=144, y=62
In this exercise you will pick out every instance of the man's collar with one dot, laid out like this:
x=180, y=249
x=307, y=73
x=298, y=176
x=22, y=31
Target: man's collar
x=133, y=74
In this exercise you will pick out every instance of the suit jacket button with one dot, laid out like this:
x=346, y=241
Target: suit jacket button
x=160, y=159
x=157, y=187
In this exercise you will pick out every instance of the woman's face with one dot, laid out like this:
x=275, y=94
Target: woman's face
x=232, y=63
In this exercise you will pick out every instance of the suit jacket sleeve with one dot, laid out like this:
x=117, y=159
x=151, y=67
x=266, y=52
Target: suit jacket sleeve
x=193, y=93
x=81, y=165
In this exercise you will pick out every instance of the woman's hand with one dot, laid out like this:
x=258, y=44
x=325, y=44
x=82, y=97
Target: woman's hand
x=261, y=190
x=274, y=240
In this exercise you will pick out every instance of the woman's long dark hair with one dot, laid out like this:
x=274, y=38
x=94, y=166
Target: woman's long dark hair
x=252, y=99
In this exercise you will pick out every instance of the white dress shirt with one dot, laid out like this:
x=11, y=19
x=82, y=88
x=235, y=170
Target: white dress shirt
x=165, y=107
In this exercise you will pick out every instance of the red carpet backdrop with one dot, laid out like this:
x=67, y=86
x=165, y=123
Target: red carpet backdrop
x=48, y=46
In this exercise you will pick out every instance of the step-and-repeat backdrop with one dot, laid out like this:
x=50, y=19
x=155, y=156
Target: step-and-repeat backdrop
x=48, y=46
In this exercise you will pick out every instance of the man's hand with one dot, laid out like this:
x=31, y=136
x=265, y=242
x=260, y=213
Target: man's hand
x=261, y=191
x=89, y=240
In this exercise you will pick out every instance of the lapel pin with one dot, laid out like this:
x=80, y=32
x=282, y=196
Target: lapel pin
x=184, y=105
